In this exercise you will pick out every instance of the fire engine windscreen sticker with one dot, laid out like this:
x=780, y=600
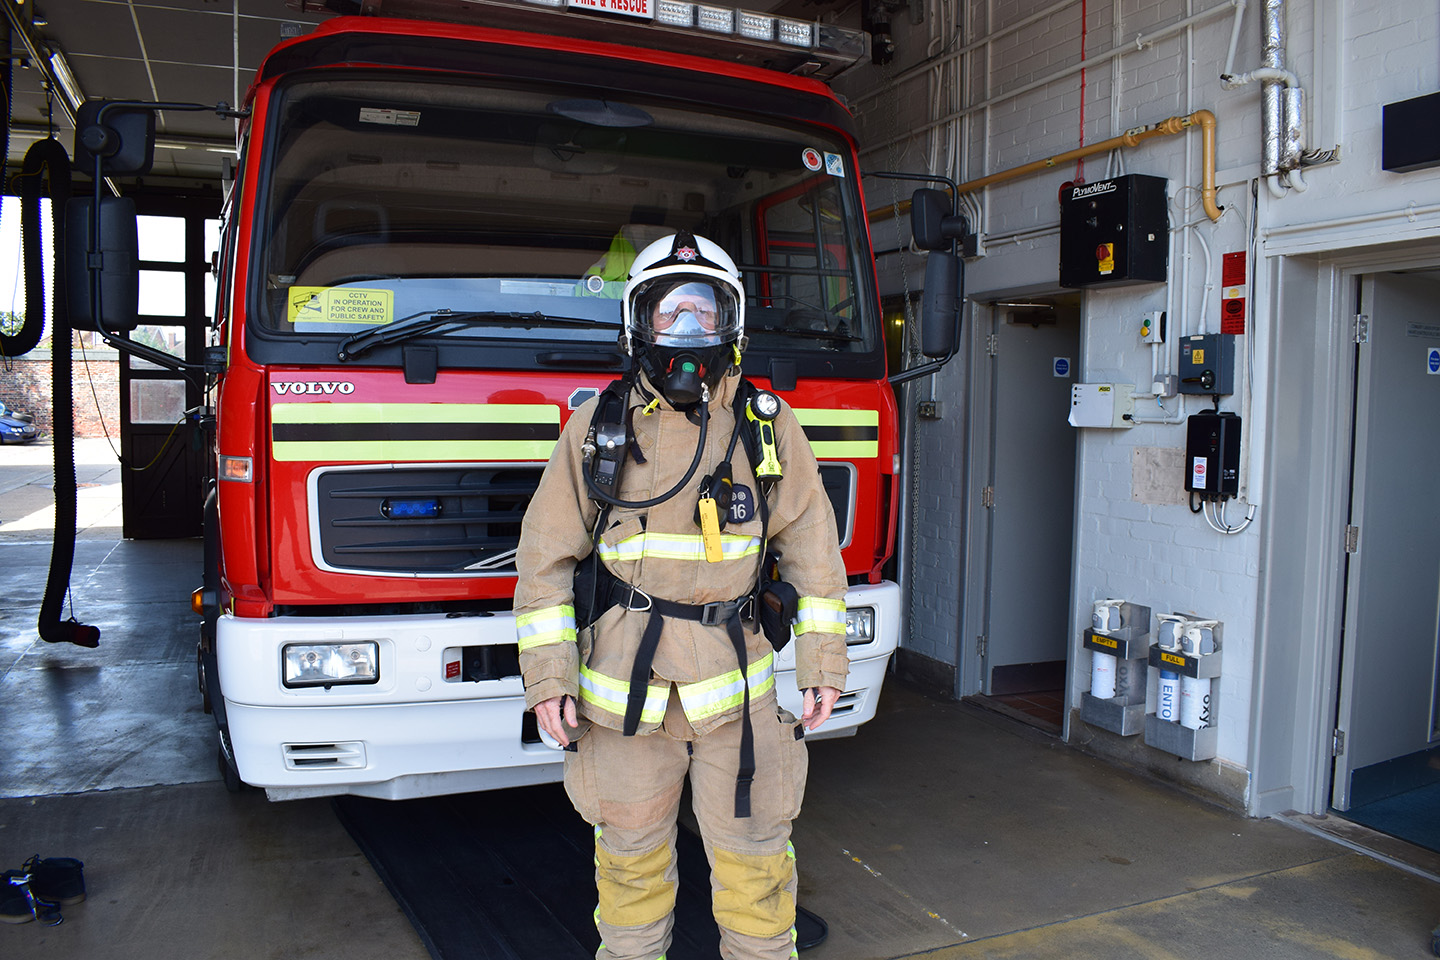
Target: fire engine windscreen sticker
x=341, y=305
x=389, y=117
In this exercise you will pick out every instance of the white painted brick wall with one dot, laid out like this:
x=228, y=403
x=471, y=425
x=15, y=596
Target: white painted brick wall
x=1163, y=556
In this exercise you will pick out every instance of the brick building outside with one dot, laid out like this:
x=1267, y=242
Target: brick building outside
x=26, y=385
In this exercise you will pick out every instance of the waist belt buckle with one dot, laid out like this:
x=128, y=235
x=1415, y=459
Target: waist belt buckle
x=717, y=613
x=635, y=593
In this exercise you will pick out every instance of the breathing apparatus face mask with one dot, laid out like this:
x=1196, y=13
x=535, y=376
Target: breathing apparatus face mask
x=683, y=329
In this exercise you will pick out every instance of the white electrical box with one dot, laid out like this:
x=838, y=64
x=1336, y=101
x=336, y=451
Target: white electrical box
x=1101, y=404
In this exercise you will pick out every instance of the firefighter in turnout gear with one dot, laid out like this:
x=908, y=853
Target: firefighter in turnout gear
x=639, y=585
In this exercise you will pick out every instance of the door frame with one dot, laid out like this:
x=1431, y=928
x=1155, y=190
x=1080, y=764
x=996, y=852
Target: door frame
x=1310, y=303
x=971, y=667
x=1362, y=461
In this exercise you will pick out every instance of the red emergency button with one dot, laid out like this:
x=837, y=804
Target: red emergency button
x=1102, y=252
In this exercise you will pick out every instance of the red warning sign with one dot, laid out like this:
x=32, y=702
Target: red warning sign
x=1233, y=277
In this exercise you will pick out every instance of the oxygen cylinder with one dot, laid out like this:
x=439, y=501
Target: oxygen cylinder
x=1167, y=703
x=1194, y=703
x=1197, y=640
x=1167, y=637
x=1102, y=675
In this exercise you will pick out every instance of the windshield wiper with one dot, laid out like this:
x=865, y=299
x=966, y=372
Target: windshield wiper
x=419, y=324
x=807, y=333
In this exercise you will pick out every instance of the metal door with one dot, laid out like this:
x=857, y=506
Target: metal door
x=163, y=484
x=1387, y=708
x=1031, y=497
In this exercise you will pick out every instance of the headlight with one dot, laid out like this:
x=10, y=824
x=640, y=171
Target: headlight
x=859, y=625
x=328, y=664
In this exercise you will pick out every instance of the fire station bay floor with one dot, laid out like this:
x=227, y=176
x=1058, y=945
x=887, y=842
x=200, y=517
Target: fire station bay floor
x=941, y=830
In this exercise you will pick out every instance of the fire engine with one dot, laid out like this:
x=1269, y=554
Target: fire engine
x=424, y=243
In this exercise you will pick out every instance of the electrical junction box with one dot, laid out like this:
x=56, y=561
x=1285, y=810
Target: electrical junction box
x=1207, y=363
x=1114, y=232
x=1409, y=134
x=1212, y=455
x=1152, y=327
x=1101, y=404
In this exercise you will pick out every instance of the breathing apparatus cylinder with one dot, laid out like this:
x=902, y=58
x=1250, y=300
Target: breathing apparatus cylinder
x=1102, y=675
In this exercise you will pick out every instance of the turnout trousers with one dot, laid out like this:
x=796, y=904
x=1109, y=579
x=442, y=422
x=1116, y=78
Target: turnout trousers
x=629, y=788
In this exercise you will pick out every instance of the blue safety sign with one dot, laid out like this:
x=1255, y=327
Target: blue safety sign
x=1432, y=361
x=1062, y=366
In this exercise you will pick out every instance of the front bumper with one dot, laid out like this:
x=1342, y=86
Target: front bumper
x=416, y=733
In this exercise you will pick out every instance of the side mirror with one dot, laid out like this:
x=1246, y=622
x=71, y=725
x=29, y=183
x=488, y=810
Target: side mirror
x=122, y=139
x=933, y=221
x=940, y=306
x=112, y=293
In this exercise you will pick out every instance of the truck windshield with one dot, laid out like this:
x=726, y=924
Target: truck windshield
x=390, y=199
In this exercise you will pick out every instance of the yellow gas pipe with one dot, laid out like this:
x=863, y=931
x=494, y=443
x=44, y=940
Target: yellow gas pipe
x=1129, y=138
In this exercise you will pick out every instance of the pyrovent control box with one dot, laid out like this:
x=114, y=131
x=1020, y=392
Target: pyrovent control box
x=1114, y=232
x=1212, y=455
x=1207, y=363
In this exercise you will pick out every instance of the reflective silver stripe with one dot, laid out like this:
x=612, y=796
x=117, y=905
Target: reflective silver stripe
x=610, y=694
x=547, y=625
x=671, y=546
x=819, y=615
x=706, y=698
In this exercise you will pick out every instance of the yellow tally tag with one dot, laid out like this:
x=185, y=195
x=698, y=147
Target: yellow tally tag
x=710, y=529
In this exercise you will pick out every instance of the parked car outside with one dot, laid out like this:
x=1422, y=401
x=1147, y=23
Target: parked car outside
x=16, y=427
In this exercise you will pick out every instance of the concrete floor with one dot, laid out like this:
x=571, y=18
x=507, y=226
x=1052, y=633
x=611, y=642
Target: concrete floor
x=941, y=830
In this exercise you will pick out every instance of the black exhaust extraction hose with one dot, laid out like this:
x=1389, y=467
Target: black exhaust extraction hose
x=47, y=161
x=28, y=337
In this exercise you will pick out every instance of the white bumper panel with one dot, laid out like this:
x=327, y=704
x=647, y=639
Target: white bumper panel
x=416, y=734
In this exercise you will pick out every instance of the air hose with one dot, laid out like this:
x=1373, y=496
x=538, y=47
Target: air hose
x=47, y=162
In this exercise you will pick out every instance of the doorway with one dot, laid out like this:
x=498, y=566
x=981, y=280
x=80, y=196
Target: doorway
x=1387, y=741
x=1027, y=499
x=160, y=434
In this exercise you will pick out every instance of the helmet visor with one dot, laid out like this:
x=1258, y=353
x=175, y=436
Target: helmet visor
x=684, y=312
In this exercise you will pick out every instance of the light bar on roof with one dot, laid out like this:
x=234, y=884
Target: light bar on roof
x=796, y=33
x=715, y=19
x=756, y=26
x=760, y=39
x=673, y=13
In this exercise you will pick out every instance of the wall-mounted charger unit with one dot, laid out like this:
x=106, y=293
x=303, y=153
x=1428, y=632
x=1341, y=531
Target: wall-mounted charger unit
x=1101, y=404
x=1212, y=455
x=1207, y=363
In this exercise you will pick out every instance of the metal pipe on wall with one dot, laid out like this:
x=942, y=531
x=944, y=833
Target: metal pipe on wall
x=1131, y=138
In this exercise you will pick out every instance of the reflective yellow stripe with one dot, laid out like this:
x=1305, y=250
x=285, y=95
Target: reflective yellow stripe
x=549, y=625
x=706, y=698
x=610, y=694
x=677, y=546
x=841, y=434
x=413, y=431
x=818, y=615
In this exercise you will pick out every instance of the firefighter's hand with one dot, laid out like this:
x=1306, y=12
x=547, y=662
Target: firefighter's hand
x=817, y=708
x=549, y=713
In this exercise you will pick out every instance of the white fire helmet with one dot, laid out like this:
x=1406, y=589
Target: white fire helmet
x=684, y=293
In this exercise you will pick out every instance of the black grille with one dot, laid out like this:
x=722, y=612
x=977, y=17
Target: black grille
x=838, y=479
x=475, y=529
